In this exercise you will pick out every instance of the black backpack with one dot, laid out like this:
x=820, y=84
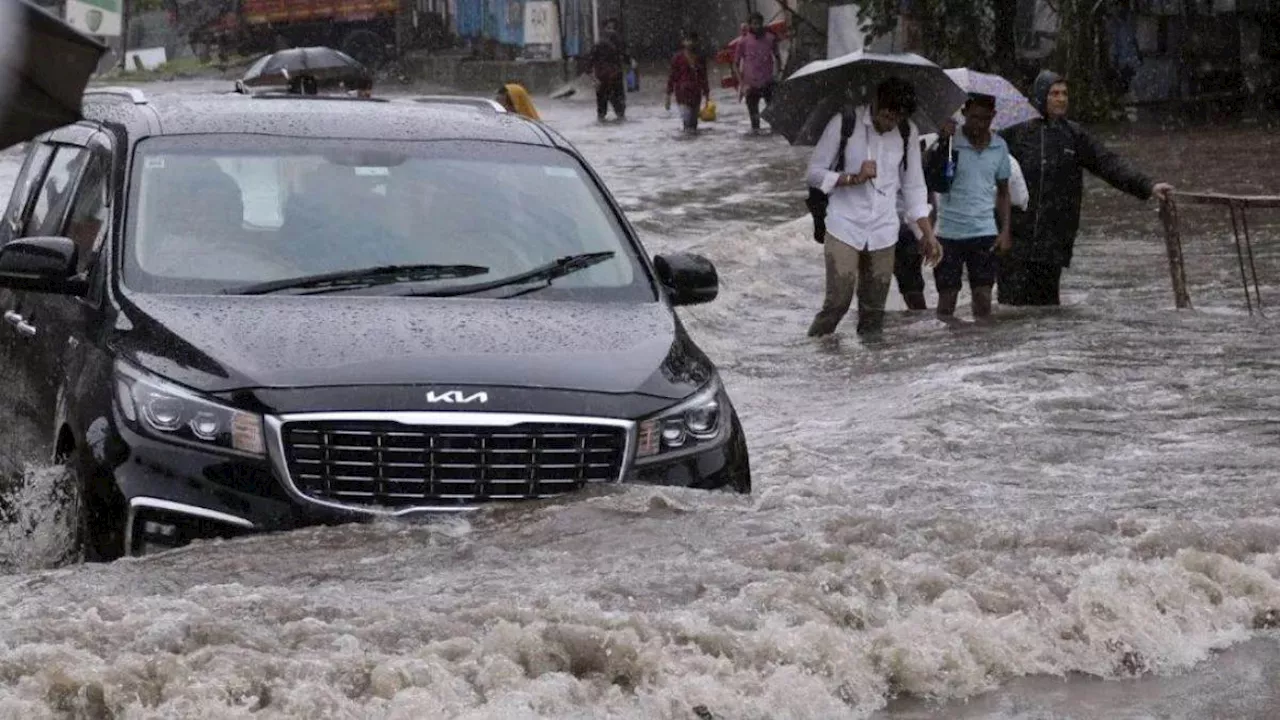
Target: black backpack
x=817, y=201
x=935, y=167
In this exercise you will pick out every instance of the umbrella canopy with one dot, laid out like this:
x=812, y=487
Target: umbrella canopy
x=1012, y=107
x=45, y=65
x=326, y=65
x=805, y=102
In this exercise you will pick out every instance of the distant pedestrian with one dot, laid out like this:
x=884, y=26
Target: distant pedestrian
x=609, y=61
x=862, y=217
x=967, y=211
x=755, y=65
x=687, y=82
x=1054, y=152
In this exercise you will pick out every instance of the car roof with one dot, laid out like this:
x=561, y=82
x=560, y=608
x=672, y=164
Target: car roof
x=319, y=116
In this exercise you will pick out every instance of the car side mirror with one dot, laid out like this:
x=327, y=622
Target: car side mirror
x=691, y=279
x=41, y=264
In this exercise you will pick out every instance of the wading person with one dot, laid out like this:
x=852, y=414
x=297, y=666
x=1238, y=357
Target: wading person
x=687, y=82
x=755, y=64
x=867, y=161
x=1054, y=153
x=609, y=62
x=976, y=203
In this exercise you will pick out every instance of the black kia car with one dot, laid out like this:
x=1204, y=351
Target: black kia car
x=231, y=313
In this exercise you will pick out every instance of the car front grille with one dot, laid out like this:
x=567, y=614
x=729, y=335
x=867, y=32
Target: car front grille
x=394, y=465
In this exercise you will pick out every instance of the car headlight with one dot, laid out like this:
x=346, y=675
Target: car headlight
x=693, y=425
x=165, y=411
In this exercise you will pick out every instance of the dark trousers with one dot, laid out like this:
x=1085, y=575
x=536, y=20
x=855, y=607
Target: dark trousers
x=611, y=92
x=907, y=263
x=1028, y=283
x=754, y=96
x=977, y=255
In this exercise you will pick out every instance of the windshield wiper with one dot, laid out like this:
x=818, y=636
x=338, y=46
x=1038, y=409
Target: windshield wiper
x=543, y=273
x=363, y=277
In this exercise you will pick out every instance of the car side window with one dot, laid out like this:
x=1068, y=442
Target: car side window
x=87, y=221
x=29, y=177
x=51, y=203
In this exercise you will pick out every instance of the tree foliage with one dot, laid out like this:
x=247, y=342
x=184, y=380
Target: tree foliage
x=952, y=33
x=980, y=34
x=1081, y=53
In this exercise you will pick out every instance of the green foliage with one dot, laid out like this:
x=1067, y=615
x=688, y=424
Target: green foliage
x=952, y=33
x=962, y=33
x=1082, y=55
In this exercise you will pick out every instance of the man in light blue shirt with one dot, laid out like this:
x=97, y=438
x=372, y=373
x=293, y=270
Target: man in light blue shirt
x=967, y=213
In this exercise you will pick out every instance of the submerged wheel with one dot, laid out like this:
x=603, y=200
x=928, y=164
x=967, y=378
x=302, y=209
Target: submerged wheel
x=99, y=508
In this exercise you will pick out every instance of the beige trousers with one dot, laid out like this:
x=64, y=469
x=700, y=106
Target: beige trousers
x=866, y=273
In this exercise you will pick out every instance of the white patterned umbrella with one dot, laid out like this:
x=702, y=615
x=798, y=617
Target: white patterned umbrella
x=1012, y=107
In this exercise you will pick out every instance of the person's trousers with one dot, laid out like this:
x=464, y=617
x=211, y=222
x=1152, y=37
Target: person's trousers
x=866, y=273
x=689, y=116
x=908, y=265
x=977, y=255
x=611, y=92
x=1028, y=283
x=754, y=96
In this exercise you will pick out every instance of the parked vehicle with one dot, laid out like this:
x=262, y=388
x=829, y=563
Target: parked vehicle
x=371, y=31
x=234, y=313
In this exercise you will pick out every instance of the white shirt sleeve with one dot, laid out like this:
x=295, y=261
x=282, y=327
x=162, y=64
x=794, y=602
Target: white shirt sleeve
x=1018, y=185
x=915, y=194
x=824, y=155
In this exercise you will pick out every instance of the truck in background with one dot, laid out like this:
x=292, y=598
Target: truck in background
x=371, y=31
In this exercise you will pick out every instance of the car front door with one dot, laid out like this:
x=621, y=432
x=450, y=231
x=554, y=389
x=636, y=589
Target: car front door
x=38, y=323
x=30, y=178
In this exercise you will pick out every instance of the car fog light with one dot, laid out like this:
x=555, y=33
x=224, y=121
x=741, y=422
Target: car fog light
x=164, y=530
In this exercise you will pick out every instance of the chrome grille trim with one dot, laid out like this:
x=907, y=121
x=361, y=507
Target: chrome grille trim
x=275, y=430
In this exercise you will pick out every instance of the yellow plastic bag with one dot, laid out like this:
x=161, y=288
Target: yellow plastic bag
x=708, y=113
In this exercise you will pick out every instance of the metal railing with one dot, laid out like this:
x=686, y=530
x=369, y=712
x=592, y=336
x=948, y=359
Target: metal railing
x=1238, y=207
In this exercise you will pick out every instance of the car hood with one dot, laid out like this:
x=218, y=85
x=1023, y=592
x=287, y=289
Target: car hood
x=217, y=344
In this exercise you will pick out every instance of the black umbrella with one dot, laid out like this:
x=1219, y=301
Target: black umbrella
x=326, y=65
x=806, y=101
x=45, y=65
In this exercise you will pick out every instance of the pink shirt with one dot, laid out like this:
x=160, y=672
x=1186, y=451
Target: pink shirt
x=756, y=56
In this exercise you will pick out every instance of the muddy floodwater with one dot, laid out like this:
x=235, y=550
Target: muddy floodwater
x=1071, y=513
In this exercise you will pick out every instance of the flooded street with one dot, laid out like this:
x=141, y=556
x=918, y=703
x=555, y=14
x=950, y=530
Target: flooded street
x=954, y=513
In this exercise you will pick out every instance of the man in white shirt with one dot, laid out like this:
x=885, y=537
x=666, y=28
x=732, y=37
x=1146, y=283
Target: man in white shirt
x=862, y=215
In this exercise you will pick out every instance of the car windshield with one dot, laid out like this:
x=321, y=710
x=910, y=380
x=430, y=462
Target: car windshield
x=221, y=214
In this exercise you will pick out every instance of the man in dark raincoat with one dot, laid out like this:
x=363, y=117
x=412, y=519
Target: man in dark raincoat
x=1053, y=152
x=609, y=61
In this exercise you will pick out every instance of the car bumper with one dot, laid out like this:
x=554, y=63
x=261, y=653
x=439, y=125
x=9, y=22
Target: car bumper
x=175, y=494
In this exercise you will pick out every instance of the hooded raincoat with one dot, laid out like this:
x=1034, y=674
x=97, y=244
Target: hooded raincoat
x=1054, y=153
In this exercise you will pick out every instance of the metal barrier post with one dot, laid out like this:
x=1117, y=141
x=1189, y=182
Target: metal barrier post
x=1173, y=246
x=1238, y=207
